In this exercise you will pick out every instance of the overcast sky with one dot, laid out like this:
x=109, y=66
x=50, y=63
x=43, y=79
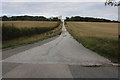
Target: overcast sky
x=48, y=9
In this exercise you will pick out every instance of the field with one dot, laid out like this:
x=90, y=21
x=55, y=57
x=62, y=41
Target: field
x=28, y=24
x=99, y=37
x=23, y=32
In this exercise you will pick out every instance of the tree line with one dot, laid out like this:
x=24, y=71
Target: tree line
x=28, y=18
x=42, y=18
x=87, y=19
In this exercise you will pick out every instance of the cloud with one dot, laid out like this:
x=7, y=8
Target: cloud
x=93, y=9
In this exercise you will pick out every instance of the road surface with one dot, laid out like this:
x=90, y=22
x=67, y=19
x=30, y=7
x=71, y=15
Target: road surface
x=61, y=57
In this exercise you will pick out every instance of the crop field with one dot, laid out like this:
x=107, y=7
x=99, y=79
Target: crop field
x=28, y=24
x=22, y=32
x=99, y=37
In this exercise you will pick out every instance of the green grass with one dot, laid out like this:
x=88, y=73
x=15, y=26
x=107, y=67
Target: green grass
x=104, y=46
x=10, y=44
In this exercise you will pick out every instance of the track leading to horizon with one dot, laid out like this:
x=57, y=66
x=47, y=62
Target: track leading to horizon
x=62, y=57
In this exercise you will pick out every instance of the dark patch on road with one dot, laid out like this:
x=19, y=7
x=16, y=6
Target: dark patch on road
x=91, y=65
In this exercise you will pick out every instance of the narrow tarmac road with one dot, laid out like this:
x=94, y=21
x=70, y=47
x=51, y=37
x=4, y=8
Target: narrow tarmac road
x=62, y=57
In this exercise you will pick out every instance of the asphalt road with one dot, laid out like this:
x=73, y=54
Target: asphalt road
x=59, y=57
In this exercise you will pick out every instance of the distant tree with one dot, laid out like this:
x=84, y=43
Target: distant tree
x=5, y=18
x=55, y=19
x=67, y=19
x=0, y=18
x=87, y=19
x=28, y=18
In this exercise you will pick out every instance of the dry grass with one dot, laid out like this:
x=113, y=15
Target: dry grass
x=99, y=37
x=103, y=30
x=21, y=24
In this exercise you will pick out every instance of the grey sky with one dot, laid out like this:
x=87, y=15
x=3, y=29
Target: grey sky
x=48, y=9
x=53, y=0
